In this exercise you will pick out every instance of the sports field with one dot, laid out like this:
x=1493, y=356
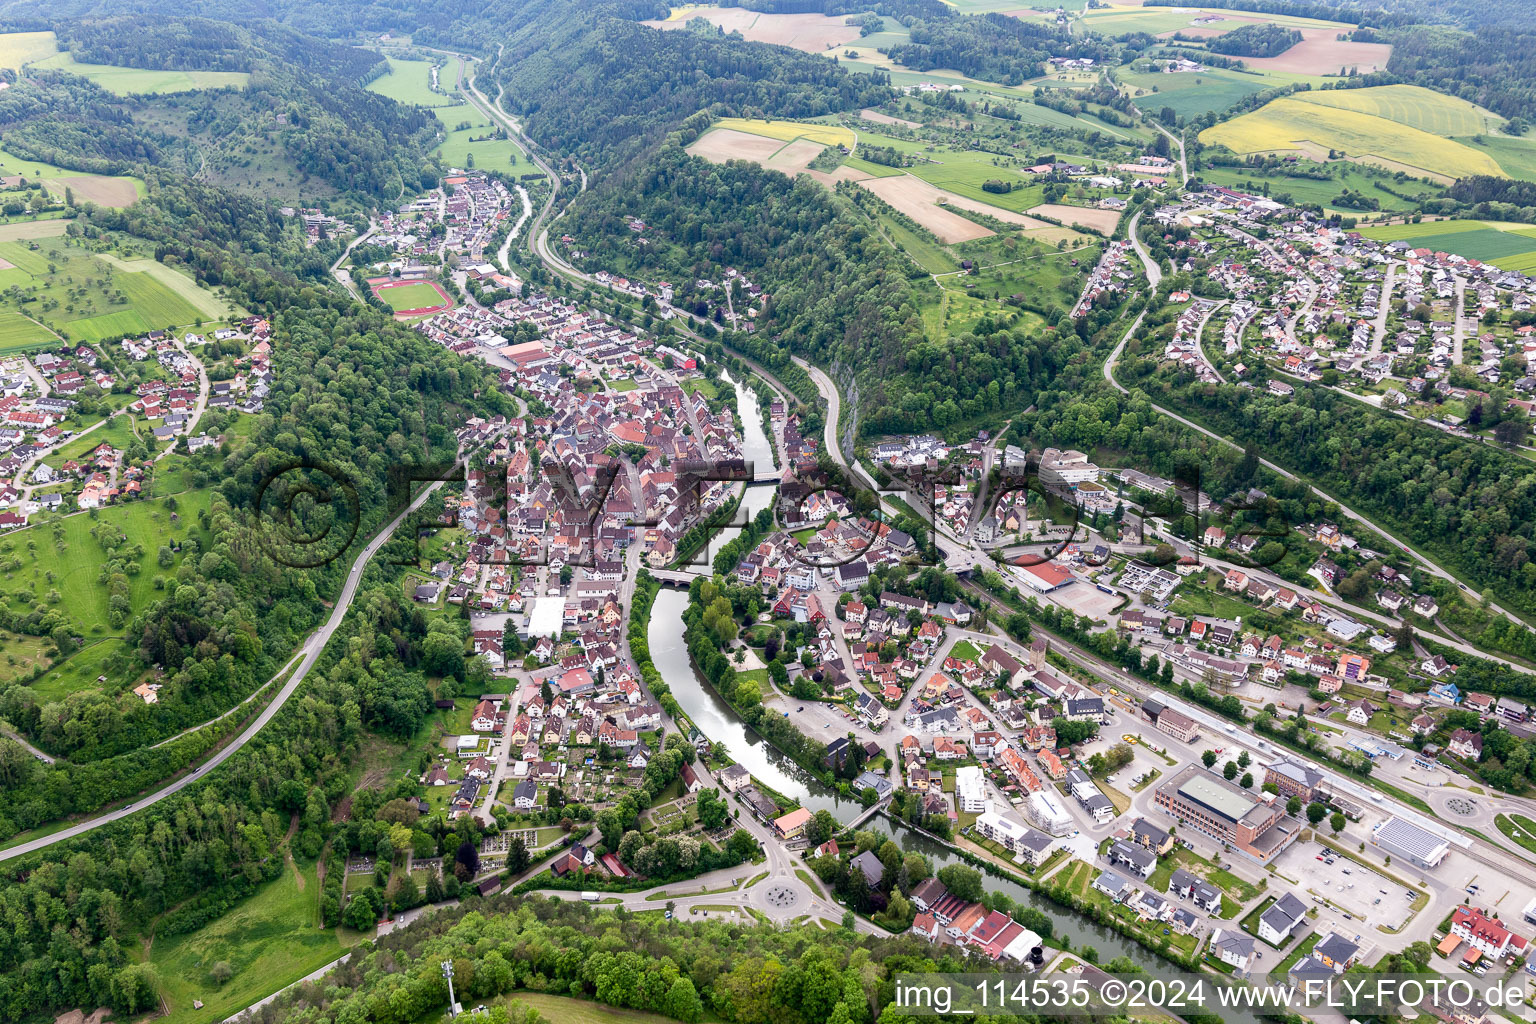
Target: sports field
x=412, y=298
x=1293, y=123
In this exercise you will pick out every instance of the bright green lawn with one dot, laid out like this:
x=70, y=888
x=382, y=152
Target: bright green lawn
x=85, y=296
x=1191, y=95
x=410, y=81
x=964, y=650
x=411, y=296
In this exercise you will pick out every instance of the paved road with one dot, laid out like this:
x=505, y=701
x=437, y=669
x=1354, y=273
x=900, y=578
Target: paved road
x=1154, y=272
x=311, y=652
x=1379, y=331
x=345, y=277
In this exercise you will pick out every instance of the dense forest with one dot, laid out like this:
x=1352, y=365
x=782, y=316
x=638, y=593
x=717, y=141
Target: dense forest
x=1471, y=507
x=70, y=121
x=187, y=43
x=1257, y=40
x=684, y=970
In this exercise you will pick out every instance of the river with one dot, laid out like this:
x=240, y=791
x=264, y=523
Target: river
x=714, y=717
x=720, y=722
x=757, y=450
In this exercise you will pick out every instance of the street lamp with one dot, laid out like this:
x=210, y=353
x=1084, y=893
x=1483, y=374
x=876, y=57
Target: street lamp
x=453, y=1004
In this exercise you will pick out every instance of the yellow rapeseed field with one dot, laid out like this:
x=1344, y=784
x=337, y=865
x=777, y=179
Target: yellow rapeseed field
x=1290, y=123
x=1412, y=105
x=826, y=134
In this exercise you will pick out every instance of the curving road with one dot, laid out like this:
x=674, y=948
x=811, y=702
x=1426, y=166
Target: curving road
x=310, y=651
x=1154, y=272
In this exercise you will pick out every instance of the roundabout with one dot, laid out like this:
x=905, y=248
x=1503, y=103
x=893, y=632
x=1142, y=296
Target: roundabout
x=782, y=897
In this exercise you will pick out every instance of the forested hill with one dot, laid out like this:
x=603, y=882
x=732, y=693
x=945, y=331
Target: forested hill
x=185, y=43
x=305, y=104
x=600, y=86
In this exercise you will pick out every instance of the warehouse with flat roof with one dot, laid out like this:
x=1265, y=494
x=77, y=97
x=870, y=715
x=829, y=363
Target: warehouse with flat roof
x=1409, y=842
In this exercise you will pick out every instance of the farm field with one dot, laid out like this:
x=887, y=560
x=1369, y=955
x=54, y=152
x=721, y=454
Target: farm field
x=409, y=81
x=90, y=296
x=17, y=333
x=812, y=33
x=1117, y=18
x=1083, y=216
x=104, y=190
x=788, y=131
x=927, y=253
x=921, y=201
x=24, y=229
x=1394, y=232
x=1321, y=52
x=1410, y=105
x=1192, y=94
x=721, y=144
x=1516, y=156
x=1511, y=246
x=270, y=940
x=18, y=48
x=206, y=302
x=143, y=81
x=1292, y=124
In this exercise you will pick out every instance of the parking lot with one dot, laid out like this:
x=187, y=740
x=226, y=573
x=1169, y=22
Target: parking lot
x=1350, y=888
x=1086, y=599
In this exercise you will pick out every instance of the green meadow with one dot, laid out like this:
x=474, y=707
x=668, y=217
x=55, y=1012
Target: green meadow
x=465, y=130
x=270, y=940
x=145, y=81
x=66, y=573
